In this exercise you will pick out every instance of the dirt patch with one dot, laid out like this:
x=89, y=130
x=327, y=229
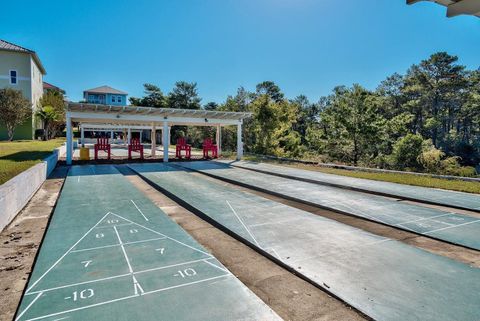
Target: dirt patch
x=291, y=297
x=20, y=240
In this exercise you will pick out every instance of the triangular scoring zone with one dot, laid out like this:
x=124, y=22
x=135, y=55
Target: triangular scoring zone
x=117, y=221
x=108, y=220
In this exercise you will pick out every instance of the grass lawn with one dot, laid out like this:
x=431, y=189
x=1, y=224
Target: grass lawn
x=408, y=179
x=17, y=156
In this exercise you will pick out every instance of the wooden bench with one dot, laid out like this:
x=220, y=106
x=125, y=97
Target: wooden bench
x=182, y=145
x=103, y=145
x=135, y=146
x=209, y=146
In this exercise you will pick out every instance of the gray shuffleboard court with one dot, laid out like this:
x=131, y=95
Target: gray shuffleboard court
x=460, y=200
x=385, y=279
x=111, y=254
x=446, y=226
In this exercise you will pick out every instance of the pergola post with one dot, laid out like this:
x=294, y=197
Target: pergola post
x=239, y=141
x=166, y=140
x=129, y=136
x=168, y=136
x=69, y=139
x=154, y=141
x=82, y=136
x=219, y=139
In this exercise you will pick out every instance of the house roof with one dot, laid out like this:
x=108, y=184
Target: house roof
x=47, y=85
x=105, y=90
x=456, y=7
x=8, y=46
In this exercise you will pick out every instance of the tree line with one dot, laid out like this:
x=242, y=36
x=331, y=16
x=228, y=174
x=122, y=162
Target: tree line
x=427, y=119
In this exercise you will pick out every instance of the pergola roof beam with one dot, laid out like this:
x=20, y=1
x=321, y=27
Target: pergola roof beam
x=122, y=111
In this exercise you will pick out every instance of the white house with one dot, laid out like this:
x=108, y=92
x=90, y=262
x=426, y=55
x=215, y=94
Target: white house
x=21, y=69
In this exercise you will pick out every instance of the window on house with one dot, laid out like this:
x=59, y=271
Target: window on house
x=13, y=77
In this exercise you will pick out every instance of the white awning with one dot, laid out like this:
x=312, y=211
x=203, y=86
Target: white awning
x=141, y=116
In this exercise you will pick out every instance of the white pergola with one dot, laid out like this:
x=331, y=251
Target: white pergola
x=116, y=118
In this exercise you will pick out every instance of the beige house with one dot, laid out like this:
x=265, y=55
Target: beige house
x=21, y=69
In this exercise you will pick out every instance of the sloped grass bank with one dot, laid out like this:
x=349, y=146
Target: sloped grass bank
x=17, y=156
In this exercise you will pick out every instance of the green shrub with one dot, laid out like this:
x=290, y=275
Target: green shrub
x=406, y=152
x=431, y=158
x=451, y=166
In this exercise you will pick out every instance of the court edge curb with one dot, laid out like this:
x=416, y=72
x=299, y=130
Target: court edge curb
x=357, y=189
x=257, y=249
x=326, y=208
x=41, y=243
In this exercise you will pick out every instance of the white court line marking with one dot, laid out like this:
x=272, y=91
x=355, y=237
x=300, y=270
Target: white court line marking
x=246, y=228
x=113, y=245
x=448, y=227
x=168, y=237
x=99, y=227
x=123, y=250
x=82, y=308
x=443, y=223
x=275, y=252
x=188, y=284
x=79, y=283
x=168, y=266
x=146, y=219
x=373, y=218
x=118, y=276
x=28, y=306
x=278, y=222
x=425, y=218
x=126, y=298
x=61, y=319
x=68, y=251
x=137, y=286
x=78, y=179
x=216, y=266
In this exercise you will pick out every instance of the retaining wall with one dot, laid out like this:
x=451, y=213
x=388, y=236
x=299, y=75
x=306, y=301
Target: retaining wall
x=15, y=193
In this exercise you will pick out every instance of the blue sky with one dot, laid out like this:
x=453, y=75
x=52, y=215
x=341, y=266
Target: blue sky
x=305, y=46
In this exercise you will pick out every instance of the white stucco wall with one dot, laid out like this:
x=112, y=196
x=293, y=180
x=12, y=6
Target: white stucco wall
x=36, y=83
x=16, y=193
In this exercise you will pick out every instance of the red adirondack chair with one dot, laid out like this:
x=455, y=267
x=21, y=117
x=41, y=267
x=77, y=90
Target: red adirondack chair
x=135, y=146
x=182, y=145
x=102, y=144
x=208, y=146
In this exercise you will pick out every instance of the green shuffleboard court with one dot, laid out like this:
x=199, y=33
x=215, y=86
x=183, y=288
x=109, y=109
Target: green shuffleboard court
x=461, y=200
x=110, y=254
x=386, y=279
x=446, y=226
